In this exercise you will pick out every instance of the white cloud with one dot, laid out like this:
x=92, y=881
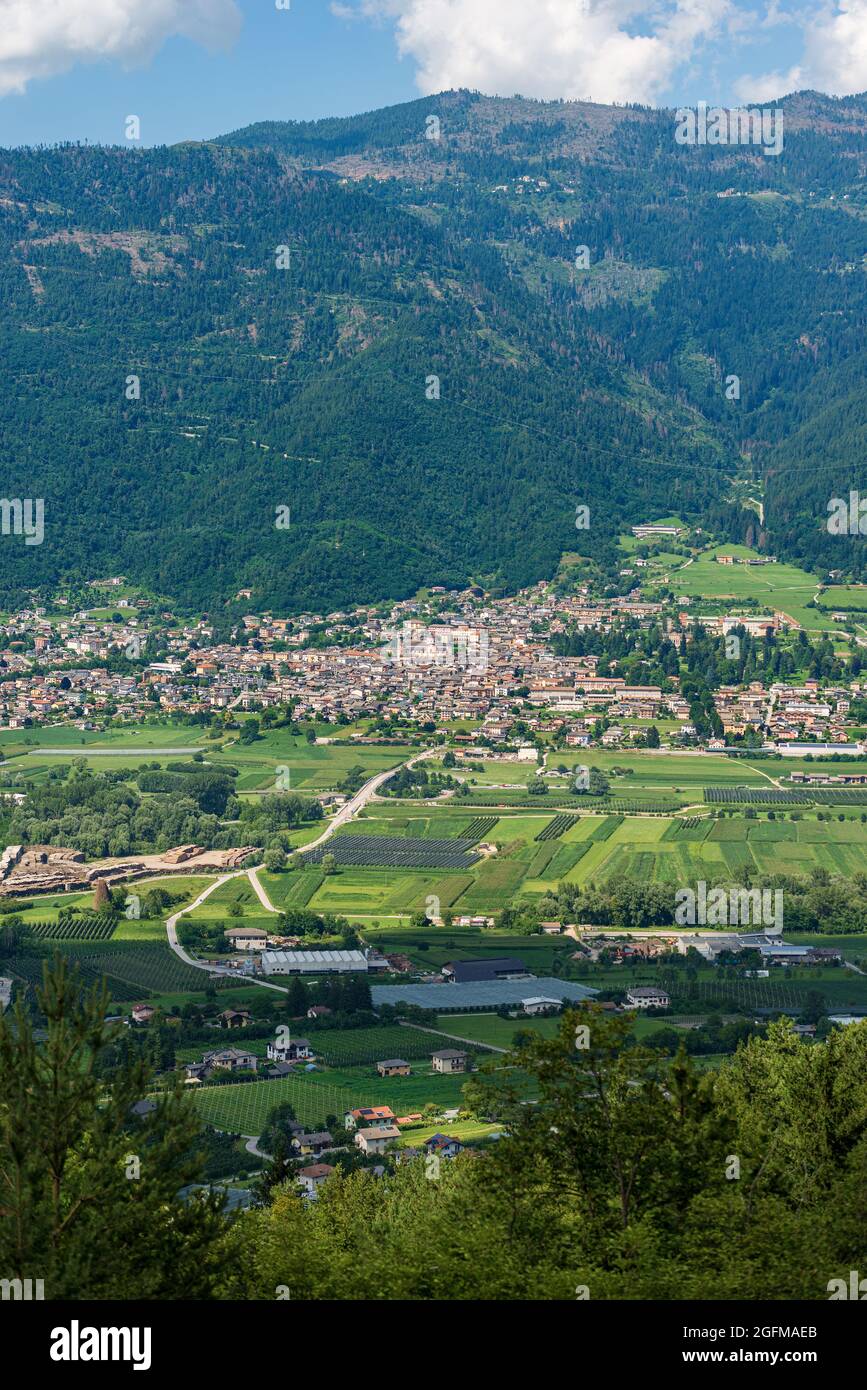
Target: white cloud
x=40, y=38
x=610, y=50
x=834, y=57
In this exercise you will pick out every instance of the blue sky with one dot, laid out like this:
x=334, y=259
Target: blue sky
x=75, y=69
x=296, y=64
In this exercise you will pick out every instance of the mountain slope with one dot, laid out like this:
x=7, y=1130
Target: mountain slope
x=428, y=382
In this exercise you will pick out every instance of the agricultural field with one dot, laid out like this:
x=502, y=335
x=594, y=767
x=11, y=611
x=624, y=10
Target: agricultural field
x=468, y=1131
x=496, y=1031
x=658, y=771
x=532, y=860
x=97, y=926
x=389, y=891
x=358, y=1047
x=244, y=1107
x=234, y=892
x=394, y=852
x=145, y=736
x=492, y=771
x=773, y=796
x=134, y=971
x=785, y=989
x=396, y=819
x=853, y=947
x=131, y=953
x=433, y=948
x=311, y=767
x=668, y=851
x=399, y=855
x=50, y=907
x=657, y=782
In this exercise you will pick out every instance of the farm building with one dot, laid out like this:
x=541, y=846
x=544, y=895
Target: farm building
x=646, y=997
x=246, y=938
x=538, y=1004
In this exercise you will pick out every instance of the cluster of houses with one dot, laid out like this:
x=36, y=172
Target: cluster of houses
x=282, y=1055
x=446, y=656
x=375, y=1130
x=375, y=1133
x=785, y=712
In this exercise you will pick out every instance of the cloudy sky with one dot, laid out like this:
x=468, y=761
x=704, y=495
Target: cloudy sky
x=75, y=69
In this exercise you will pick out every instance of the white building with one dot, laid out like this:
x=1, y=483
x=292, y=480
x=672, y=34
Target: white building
x=312, y=1177
x=539, y=1005
x=314, y=962
x=646, y=997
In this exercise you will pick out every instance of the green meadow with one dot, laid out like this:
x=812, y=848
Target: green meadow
x=843, y=597
x=776, y=586
x=311, y=767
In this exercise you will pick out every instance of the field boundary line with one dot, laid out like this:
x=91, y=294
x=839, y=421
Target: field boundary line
x=440, y=1032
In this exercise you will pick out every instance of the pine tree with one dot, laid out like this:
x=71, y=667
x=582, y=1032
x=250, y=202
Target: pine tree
x=89, y=1194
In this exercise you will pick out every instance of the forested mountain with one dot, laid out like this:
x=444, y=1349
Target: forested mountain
x=427, y=379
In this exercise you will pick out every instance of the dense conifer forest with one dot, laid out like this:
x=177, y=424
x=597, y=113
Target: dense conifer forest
x=427, y=380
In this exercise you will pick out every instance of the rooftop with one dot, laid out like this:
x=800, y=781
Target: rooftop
x=477, y=994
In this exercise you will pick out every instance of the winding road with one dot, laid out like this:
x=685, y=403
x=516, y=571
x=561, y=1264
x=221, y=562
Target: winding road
x=344, y=815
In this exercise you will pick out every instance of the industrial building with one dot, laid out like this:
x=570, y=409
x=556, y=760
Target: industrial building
x=320, y=963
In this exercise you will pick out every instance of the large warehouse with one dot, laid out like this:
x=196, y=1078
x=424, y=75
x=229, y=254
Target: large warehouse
x=479, y=994
x=317, y=963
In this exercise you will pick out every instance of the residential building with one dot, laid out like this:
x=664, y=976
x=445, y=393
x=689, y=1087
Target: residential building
x=449, y=1060
x=376, y=1141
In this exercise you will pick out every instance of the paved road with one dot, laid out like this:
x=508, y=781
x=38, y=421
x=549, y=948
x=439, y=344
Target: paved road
x=253, y=876
x=172, y=933
x=361, y=798
x=345, y=814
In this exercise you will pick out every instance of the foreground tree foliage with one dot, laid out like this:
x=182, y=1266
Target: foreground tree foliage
x=72, y=1210
x=625, y=1176
x=617, y=1184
